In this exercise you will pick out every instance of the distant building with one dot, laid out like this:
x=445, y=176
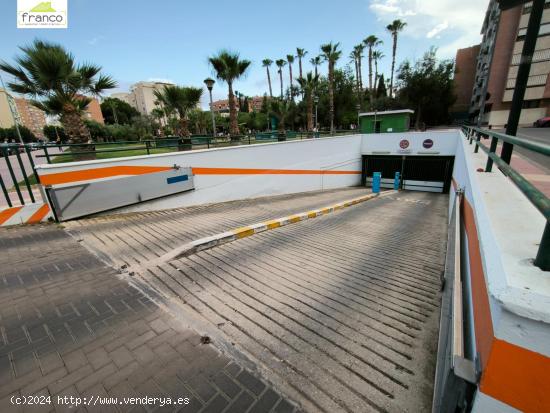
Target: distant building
x=465, y=74
x=7, y=109
x=31, y=117
x=499, y=57
x=255, y=103
x=222, y=106
x=93, y=112
x=142, y=96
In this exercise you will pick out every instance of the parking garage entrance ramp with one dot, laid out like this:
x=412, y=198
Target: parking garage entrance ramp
x=340, y=312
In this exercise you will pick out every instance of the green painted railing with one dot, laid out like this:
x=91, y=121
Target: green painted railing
x=537, y=198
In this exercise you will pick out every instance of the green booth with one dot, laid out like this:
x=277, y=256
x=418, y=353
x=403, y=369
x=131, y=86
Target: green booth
x=386, y=121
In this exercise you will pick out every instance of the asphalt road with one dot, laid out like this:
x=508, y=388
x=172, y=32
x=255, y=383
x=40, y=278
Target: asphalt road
x=539, y=135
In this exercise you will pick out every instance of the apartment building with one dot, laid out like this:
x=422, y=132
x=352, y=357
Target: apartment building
x=142, y=95
x=31, y=117
x=93, y=112
x=498, y=63
x=464, y=79
x=222, y=106
x=7, y=110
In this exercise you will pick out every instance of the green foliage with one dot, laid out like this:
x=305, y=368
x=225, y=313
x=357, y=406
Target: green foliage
x=427, y=87
x=10, y=134
x=98, y=131
x=124, y=112
x=52, y=132
x=381, y=91
x=48, y=73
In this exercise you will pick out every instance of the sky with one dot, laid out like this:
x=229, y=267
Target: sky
x=172, y=39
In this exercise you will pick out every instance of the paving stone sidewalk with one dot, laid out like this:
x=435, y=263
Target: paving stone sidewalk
x=69, y=326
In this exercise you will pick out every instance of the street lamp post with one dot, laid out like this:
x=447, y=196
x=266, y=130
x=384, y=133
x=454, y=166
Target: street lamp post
x=316, y=100
x=209, y=82
x=358, y=107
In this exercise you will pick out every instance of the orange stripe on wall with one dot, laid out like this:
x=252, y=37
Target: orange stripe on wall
x=483, y=323
x=97, y=173
x=240, y=171
x=39, y=215
x=518, y=377
x=8, y=213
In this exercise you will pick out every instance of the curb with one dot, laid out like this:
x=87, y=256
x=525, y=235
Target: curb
x=243, y=232
x=27, y=214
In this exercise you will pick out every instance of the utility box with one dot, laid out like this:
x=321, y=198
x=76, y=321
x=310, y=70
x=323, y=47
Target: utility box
x=386, y=122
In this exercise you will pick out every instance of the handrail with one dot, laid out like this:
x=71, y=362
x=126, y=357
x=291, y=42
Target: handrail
x=462, y=367
x=514, y=140
x=458, y=339
x=533, y=194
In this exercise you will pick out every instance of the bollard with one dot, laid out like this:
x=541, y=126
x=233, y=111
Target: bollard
x=396, y=181
x=376, y=178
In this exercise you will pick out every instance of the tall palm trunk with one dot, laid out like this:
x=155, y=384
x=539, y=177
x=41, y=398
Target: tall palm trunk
x=233, y=125
x=394, y=51
x=290, y=74
x=77, y=132
x=300, y=66
x=375, y=77
x=370, y=68
x=360, y=66
x=357, y=76
x=310, y=111
x=331, y=94
x=269, y=81
x=316, y=71
x=184, y=126
x=281, y=80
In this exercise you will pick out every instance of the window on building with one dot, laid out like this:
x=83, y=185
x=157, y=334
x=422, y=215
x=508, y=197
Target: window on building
x=528, y=6
x=544, y=30
x=531, y=104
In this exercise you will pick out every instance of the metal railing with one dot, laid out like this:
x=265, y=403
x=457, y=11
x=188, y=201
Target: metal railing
x=14, y=153
x=535, y=196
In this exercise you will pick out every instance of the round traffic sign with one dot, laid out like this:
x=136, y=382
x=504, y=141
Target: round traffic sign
x=404, y=144
x=428, y=143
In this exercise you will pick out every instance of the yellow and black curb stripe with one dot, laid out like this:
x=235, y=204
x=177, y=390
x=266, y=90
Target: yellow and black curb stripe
x=243, y=232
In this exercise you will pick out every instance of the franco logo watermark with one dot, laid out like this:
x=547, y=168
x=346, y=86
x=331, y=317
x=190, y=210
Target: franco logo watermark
x=36, y=14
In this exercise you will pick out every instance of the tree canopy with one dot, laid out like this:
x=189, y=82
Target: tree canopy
x=426, y=86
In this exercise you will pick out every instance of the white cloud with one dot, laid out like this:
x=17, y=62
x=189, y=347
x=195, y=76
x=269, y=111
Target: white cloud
x=160, y=79
x=94, y=41
x=459, y=20
x=437, y=29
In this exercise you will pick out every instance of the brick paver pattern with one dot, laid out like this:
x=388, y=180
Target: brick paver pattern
x=70, y=326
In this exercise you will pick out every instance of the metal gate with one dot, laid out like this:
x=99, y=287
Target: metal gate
x=418, y=173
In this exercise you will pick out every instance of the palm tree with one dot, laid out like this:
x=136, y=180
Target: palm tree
x=279, y=108
x=316, y=62
x=359, y=49
x=308, y=85
x=331, y=55
x=229, y=67
x=280, y=64
x=267, y=63
x=300, y=53
x=394, y=28
x=48, y=74
x=181, y=100
x=290, y=60
x=377, y=55
x=356, y=55
x=371, y=42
